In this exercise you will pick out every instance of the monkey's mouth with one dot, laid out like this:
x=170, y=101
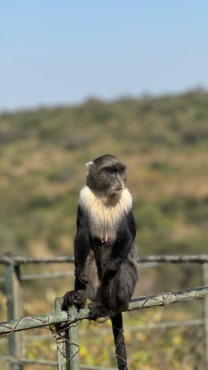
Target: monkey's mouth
x=116, y=190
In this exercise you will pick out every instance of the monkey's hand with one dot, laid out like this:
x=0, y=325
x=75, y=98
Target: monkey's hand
x=74, y=297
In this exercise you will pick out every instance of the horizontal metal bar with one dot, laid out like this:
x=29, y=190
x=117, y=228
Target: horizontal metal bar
x=47, y=363
x=164, y=325
x=38, y=362
x=145, y=327
x=48, y=275
x=54, y=318
x=85, y=367
x=27, y=361
x=30, y=338
x=203, y=258
x=27, y=260
x=145, y=261
x=151, y=326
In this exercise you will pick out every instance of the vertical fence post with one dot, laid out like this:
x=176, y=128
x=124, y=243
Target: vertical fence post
x=14, y=311
x=67, y=342
x=205, y=281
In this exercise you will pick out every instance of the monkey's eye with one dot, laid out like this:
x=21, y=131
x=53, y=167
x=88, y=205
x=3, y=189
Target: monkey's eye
x=111, y=171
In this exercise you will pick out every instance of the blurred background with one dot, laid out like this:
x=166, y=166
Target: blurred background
x=81, y=79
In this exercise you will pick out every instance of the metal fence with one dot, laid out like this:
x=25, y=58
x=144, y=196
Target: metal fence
x=64, y=326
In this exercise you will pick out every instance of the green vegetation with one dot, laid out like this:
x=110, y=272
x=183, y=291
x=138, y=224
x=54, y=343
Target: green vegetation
x=164, y=143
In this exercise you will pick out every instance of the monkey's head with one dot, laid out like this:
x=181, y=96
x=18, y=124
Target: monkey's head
x=107, y=175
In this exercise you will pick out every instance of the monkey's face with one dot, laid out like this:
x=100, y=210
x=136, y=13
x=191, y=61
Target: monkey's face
x=107, y=175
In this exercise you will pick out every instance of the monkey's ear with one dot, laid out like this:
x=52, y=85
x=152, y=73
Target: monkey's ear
x=88, y=165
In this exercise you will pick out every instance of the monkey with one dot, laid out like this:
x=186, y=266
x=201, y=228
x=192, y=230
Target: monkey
x=105, y=259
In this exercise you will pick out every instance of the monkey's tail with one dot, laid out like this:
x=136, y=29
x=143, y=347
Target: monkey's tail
x=120, y=348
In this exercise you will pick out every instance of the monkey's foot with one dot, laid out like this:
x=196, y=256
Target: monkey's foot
x=74, y=297
x=98, y=310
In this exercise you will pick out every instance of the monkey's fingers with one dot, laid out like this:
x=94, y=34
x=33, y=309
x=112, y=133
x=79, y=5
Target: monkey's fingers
x=74, y=297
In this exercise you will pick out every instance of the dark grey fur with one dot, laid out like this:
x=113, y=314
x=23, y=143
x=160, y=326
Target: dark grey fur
x=105, y=261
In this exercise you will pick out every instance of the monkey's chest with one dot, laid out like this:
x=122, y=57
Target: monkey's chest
x=104, y=223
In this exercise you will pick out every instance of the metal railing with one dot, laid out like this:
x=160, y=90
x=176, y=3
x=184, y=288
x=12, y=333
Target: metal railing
x=64, y=326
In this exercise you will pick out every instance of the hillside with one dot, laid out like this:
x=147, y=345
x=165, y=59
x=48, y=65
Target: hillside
x=163, y=141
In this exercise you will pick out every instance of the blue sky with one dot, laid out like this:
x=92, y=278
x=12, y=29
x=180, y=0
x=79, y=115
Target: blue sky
x=63, y=52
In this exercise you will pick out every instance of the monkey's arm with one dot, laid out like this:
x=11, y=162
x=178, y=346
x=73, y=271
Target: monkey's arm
x=77, y=296
x=123, y=243
x=81, y=249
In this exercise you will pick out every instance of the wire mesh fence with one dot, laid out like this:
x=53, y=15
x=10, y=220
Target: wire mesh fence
x=173, y=337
